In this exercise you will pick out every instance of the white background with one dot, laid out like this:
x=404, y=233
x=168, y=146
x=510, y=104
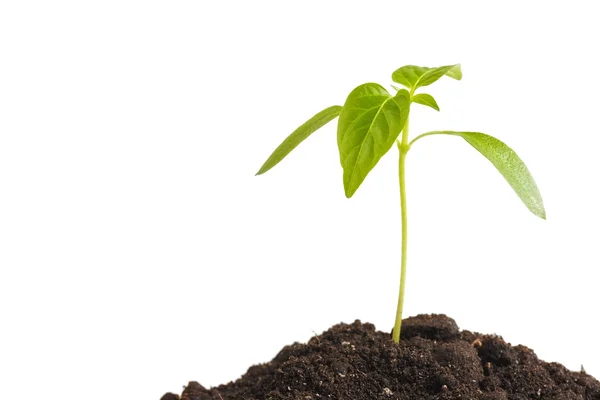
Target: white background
x=138, y=250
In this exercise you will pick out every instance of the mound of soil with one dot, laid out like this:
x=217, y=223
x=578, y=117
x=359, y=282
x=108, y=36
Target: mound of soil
x=433, y=361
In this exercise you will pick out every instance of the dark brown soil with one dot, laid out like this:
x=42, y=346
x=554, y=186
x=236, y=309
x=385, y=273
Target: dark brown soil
x=434, y=360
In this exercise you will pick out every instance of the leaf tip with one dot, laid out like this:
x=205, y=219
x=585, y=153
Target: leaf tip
x=538, y=209
x=349, y=191
x=542, y=214
x=455, y=72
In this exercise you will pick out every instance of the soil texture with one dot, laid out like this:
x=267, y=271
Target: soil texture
x=433, y=361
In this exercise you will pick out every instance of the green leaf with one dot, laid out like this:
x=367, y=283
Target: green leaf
x=414, y=77
x=426, y=100
x=298, y=136
x=408, y=75
x=455, y=72
x=369, y=123
x=507, y=162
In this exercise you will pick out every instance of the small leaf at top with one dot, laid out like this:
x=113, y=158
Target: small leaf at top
x=408, y=75
x=369, y=123
x=414, y=77
x=296, y=137
x=508, y=163
x=426, y=100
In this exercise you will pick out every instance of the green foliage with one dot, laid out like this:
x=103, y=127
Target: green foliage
x=508, y=163
x=298, y=136
x=426, y=100
x=414, y=77
x=371, y=120
x=369, y=124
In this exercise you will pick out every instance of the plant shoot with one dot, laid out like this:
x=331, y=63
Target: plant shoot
x=372, y=120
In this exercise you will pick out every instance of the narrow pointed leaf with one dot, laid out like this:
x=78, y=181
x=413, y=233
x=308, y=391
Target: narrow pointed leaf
x=298, y=136
x=369, y=123
x=414, y=77
x=508, y=163
x=426, y=100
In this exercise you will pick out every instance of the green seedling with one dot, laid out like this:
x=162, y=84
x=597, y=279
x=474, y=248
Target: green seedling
x=372, y=119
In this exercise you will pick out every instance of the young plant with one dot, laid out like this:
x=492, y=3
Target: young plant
x=372, y=119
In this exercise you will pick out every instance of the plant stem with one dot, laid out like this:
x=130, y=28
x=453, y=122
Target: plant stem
x=403, y=147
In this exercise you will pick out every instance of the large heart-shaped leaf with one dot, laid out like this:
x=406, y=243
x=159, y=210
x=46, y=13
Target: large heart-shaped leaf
x=296, y=137
x=507, y=162
x=369, y=123
x=414, y=77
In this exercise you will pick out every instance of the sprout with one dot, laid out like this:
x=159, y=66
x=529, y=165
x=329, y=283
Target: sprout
x=372, y=119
